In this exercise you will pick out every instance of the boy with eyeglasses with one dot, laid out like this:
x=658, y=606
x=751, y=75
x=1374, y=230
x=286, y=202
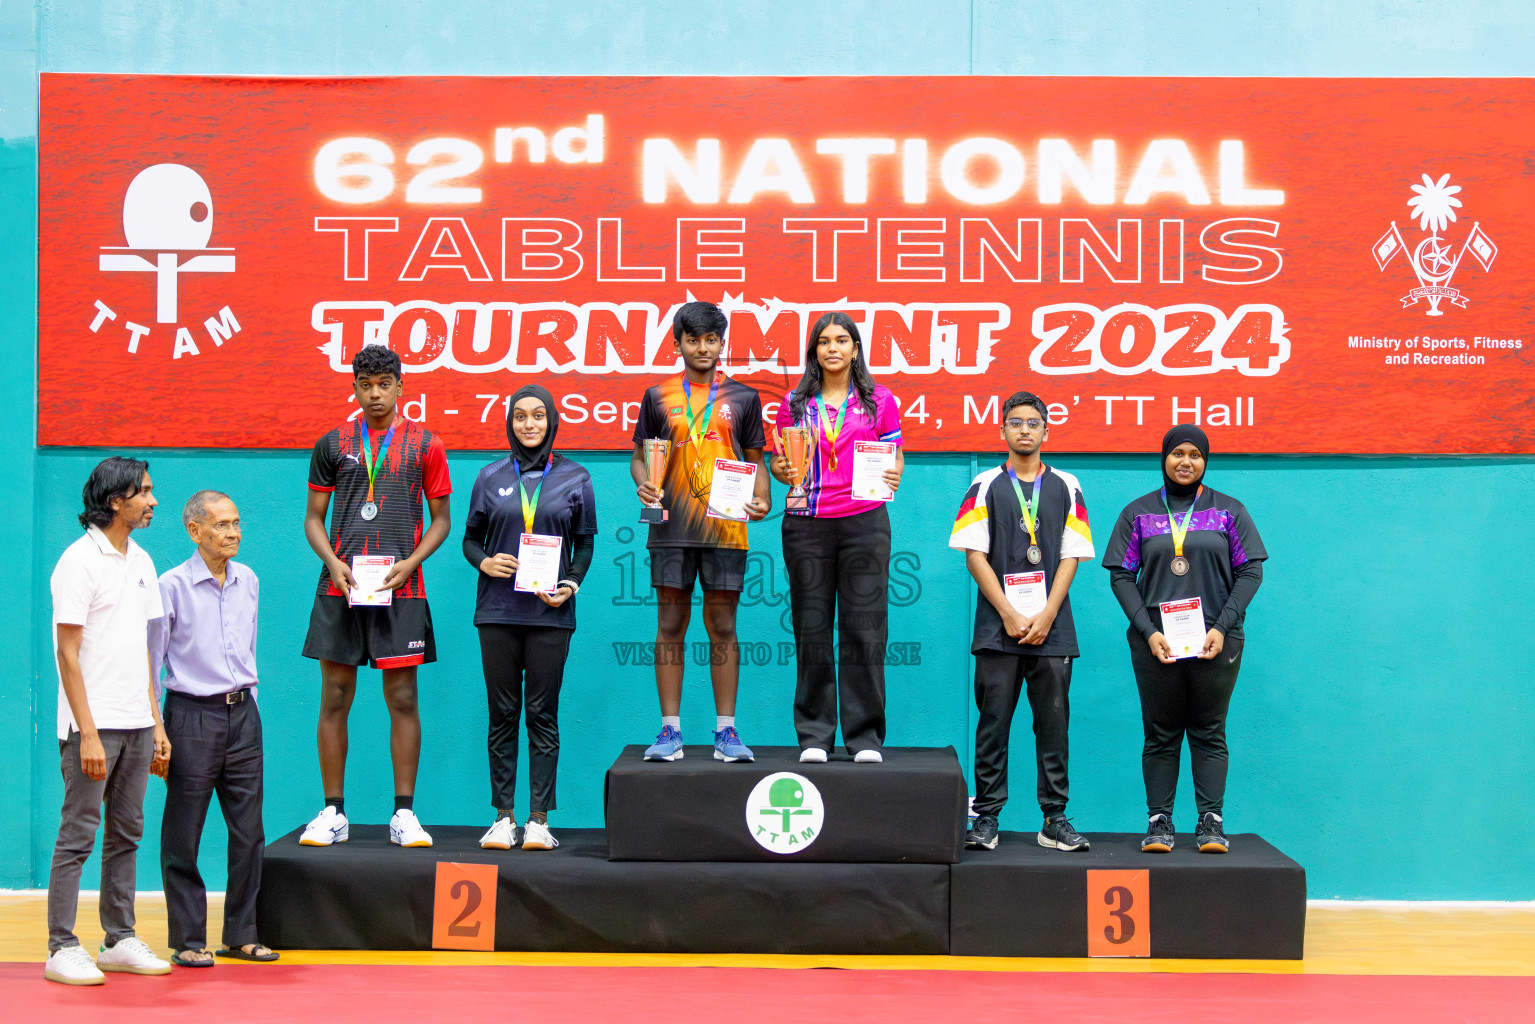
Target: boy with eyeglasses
x=1023, y=528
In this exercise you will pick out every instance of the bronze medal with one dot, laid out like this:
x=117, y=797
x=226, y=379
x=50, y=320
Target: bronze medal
x=1180, y=566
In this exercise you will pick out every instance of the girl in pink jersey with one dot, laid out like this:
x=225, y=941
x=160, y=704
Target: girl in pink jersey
x=838, y=548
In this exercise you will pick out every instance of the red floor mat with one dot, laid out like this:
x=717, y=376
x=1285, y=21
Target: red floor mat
x=634, y=995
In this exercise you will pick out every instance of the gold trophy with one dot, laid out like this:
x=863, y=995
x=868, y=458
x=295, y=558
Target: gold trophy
x=656, y=452
x=796, y=451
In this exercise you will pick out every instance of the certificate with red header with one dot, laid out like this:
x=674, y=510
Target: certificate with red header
x=538, y=563
x=368, y=572
x=733, y=486
x=1183, y=624
x=1025, y=591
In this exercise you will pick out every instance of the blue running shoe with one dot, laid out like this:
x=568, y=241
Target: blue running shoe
x=728, y=746
x=667, y=747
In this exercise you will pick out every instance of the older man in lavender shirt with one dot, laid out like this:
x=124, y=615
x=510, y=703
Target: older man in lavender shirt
x=207, y=645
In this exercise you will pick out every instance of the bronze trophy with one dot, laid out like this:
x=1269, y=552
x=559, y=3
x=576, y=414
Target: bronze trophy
x=796, y=451
x=656, y=452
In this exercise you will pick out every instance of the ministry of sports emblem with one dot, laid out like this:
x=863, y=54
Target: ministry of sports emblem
x=1434, y=208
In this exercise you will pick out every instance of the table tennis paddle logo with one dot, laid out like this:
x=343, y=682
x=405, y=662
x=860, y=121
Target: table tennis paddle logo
x=784, y=813
x=168, y=223
x=1433, y=259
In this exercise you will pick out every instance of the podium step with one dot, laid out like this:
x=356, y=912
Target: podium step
x=1023, y=900
x=1017, y=900
x=909, y=809
x=367, y=894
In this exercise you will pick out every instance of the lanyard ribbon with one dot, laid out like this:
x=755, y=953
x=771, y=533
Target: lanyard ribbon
x=1180, y=530
x=530, y=507
x=696, y=430
x=1030, y=507
x=832, y=427
x=369, y=462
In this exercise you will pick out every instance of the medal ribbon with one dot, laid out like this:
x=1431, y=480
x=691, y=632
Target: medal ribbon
x=529, y=508
x=831, y=428
x=697, y=430
x=1180, y=530
x=1030, y=507
x=369, y=462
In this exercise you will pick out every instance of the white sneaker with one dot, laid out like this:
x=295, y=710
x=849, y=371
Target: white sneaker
x=132, y=956
x=329, y=826
x=72, y=965
x=868, y=757
x=812, y=755
x=536, y=836
x=405, y=830
x=500, y=836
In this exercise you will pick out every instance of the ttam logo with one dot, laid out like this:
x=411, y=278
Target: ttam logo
x=784, y=813
x=168, y=224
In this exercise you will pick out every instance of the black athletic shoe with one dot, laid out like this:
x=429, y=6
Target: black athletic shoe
x=1057, y=834
x=1159, y=835
x=1209, y=836
x=983, y=834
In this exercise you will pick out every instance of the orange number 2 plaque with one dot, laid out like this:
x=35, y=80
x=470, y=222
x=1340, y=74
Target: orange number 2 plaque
x=1118, y=913
x=464, y=909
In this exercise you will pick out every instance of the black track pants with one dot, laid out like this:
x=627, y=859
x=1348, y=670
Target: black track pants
x=524, y=666
x=999, y=684
x=1188, y=697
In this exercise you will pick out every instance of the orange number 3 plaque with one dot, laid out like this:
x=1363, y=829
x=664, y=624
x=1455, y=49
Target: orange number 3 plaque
x=464, y=909
x=1118, y=913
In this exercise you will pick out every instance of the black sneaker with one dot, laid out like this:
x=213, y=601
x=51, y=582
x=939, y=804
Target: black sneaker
x=983, y=834
x=1057, y=834
x=1159, y=835
x=1209, y=836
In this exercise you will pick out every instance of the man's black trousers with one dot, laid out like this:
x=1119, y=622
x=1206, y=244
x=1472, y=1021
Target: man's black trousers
x=524, y=668
x=999, y=683
x=215, y=748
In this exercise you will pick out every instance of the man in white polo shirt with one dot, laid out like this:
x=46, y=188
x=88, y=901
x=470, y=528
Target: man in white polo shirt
x=105, y=593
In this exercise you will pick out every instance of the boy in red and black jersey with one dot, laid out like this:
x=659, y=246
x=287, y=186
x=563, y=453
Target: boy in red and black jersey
x=378, y=467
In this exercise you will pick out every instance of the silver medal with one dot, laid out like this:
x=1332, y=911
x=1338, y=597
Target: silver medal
x=369, y=510
x=1034, y=554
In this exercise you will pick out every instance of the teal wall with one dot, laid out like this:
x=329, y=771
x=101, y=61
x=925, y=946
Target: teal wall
x=1382, y=731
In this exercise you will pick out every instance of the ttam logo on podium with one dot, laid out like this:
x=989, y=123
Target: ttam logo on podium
x=168, y=223
x=784, y=812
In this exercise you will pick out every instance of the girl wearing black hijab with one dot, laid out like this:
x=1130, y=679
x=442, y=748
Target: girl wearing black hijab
x=1185, y=541
x=525, y=636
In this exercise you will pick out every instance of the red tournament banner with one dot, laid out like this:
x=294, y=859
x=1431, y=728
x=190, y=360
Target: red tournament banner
x=1299, y=265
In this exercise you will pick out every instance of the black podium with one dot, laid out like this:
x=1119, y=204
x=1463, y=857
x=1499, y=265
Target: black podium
x=910, y=809
x=700, y=856
x=367, y=894
x=1023, y=900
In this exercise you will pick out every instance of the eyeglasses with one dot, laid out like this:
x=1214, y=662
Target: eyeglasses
x=225, y=527
x=1014, y=423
